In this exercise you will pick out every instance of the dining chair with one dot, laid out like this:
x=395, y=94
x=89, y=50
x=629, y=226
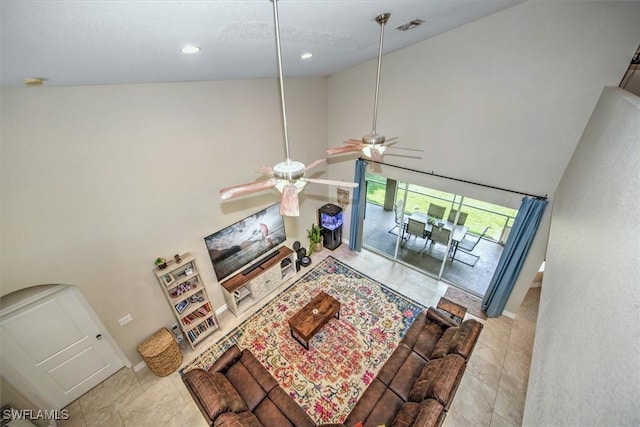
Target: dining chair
x=468, y=244
x=400, y=218
x=417, y=229
x=440, y=235
x=462, y=218
x=436, y=211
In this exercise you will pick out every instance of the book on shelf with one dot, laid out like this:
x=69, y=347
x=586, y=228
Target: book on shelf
x=203, y=311
x=195, y=332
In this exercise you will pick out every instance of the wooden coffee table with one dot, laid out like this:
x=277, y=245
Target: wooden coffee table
x=312, y=317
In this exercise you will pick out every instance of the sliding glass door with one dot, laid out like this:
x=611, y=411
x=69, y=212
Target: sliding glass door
x=448, y=236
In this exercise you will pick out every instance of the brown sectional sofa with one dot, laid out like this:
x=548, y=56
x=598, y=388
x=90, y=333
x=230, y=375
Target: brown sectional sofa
x=238, y=391
x=414, y=387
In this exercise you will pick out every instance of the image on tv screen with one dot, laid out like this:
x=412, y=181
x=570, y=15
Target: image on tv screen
x=237, y=245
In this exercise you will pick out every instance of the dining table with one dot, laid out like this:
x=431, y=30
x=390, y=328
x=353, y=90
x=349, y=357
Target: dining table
x=457, y=232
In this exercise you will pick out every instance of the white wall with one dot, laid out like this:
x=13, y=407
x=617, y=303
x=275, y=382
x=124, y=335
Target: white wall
x=99, y=181
x=586, y=364
x=501, y=101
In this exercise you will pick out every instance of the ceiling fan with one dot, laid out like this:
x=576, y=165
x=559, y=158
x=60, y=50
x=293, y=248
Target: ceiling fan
x=288, y=176
x=372, y=145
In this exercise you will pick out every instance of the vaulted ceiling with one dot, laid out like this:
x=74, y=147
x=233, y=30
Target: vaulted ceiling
x=98, y=42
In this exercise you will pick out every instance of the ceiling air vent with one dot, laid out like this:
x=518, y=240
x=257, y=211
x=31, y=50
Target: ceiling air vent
x=410, y=25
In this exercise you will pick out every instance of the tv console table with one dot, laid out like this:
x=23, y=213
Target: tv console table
x=244, y=290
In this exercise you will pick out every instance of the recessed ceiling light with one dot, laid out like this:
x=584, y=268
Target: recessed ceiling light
x=306, y=55
x=190, y=49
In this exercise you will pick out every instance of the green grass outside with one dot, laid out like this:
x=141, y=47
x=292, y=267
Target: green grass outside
x=420, y=197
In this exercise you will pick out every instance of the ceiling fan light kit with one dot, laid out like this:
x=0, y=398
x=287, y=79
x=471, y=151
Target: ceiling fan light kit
x=287, y=176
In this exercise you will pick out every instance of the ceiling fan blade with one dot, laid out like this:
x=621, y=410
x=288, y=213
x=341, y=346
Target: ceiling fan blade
x=402, y=155
x=289, y=205
x=332, y=182
x=314, y=164
x=265, y=170
x=244, y=189
x=408, y=149
x=340, y=150
x=352, y=141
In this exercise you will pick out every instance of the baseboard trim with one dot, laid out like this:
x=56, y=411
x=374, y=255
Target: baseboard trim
x=508, y=314
x=140, y=366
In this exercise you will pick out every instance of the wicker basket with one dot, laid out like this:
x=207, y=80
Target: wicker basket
x=161, y=353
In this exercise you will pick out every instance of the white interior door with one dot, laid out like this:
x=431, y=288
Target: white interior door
x=57, y=348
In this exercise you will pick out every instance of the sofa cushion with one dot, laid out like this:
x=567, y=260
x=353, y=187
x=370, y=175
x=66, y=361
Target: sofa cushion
x=393, y=364
x=439, y=380
x=251, y=379
x=366, y=403
x=247, y=386
x=427, y=340
x=279, y=409
x=458, y=340
x=259, y=372
x=215, y=393
x=383, y=412
x=242, y=419
x=407, y=375
x=429, y=413
x=425, y=331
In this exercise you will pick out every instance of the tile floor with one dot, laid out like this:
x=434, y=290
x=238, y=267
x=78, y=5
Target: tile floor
x=492, y=392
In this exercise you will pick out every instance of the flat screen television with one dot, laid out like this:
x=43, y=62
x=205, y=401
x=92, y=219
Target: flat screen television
x=238, y=245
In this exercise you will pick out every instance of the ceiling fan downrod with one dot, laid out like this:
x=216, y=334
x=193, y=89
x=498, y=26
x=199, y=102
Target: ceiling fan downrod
x=373, y=138
x=280, y=78
x=287, y=176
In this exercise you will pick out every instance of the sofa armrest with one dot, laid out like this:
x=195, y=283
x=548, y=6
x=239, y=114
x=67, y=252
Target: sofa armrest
x=440, y=318
x=194, y=394
x=227, y=359
x=213, y=393
x=439, y=380
x=428, y=413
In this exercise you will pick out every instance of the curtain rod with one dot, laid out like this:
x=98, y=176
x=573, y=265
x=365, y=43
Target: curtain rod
x=457, y=179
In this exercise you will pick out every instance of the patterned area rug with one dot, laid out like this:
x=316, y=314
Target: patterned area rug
x=344, y=356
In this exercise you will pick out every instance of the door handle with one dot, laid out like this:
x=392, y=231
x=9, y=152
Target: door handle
x=99, y=337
